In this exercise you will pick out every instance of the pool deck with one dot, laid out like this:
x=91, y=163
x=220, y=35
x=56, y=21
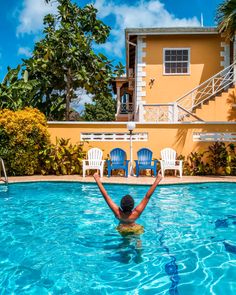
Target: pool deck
x=142, y=180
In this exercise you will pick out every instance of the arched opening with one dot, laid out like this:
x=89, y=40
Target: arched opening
x=126, y=101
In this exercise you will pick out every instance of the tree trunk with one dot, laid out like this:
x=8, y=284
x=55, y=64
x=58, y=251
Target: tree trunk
x=68, y=93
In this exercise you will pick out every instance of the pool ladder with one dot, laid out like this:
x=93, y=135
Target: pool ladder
x=2, y=169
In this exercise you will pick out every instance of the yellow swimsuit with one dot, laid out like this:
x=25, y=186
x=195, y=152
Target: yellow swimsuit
x=125, y=229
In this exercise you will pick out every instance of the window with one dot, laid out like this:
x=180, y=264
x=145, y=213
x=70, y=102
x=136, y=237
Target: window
x=176, y=61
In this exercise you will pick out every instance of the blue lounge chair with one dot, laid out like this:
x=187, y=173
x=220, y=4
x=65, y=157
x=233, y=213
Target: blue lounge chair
x=117, y=161
x=145, y=161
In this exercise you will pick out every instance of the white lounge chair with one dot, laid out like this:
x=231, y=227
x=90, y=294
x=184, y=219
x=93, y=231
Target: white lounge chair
x=94, y=161
x=169, y=162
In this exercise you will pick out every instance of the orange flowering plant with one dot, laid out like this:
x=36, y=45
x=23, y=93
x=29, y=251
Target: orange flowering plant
x=23, y=134
x=26, y=148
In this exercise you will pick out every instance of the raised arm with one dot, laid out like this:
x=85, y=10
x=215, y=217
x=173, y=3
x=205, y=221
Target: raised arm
x=107, y=198
x=141, y=206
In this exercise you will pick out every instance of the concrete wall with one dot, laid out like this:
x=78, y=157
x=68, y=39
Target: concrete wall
x=206, y=59
x=178, y=136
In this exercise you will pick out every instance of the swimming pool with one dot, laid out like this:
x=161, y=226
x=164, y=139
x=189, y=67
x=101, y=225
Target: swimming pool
x=60, y=238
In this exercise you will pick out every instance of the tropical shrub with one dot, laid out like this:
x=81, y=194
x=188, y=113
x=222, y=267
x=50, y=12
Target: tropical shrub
x=218, y=159
x=23, y=134
x=62, y=158
x=195, y=164
x=217, y=155
x=221, y=157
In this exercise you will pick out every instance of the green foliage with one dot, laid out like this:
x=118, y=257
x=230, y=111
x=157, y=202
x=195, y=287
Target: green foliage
x=231, y=159
x=101, y=110
x=226, y=18
x=64, y=60
x=221, y=157
x=16, y=91
x=195, y=164
x=22, y=135
x=26, y=148
x=62, y=158
x=218, y=159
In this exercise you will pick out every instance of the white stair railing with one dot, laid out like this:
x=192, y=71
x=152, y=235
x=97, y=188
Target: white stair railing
x=208, y=89
x=182, y=109
x=2, y=169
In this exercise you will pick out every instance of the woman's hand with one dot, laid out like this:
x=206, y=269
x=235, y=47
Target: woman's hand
x=95, y=176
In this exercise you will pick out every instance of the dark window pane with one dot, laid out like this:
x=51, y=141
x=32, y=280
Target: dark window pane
x=173, y=67
x=167, y=68
x=185, y=52
x=173, y=71
x=167, y=52
x=167, y=65
x=167, y=58
x=173, y=57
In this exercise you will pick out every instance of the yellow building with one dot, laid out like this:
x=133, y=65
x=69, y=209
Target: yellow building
x=179, y=89
x=172, y=72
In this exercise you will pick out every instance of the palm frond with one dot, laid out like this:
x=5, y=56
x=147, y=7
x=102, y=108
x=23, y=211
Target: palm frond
x=226, y=18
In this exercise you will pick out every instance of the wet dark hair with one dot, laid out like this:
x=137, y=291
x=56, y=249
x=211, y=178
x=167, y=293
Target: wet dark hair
x=127, y=204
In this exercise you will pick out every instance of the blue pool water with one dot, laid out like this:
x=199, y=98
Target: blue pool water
x=60, y=238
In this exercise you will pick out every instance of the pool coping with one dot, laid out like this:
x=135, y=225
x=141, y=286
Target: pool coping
x=132, y=180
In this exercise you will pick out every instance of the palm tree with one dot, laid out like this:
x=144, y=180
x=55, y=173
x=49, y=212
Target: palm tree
x=226, y=18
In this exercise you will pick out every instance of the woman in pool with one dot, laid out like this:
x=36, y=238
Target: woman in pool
x=126, y=213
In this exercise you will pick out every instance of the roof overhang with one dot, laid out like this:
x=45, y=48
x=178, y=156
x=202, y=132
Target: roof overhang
x=171, y=31
x=165, y=31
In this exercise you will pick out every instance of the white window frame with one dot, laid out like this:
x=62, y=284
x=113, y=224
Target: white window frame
x=164, y=61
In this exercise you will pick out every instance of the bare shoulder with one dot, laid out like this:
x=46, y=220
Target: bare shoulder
x=135, y=213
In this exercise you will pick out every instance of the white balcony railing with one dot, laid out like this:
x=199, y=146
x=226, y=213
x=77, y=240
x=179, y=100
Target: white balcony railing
x=164, y=112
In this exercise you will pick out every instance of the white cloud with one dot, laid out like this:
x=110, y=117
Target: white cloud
x=82, y=98
x=147, y=14
x=24, y=51
x=31, y=17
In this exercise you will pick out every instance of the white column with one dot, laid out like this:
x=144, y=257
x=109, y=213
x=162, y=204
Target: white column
x=175, y=112
x=118, y=100
x=131, y=154
x=141, y=112
x=140, y=72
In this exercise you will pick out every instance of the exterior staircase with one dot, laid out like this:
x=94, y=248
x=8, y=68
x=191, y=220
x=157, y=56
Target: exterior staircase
x=189, y=107
x=221, y=85
x=219, y=107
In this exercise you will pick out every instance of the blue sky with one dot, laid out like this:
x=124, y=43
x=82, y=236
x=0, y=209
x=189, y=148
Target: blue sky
x=21, y=22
